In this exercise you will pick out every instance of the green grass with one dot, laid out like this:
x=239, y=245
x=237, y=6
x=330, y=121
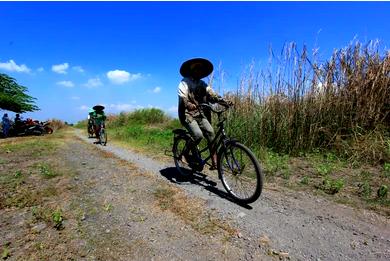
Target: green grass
x=31, y=148
x=12, y=179
x=147, y=129
x=386, y=170
x=331, y=186
x=274, y=163
x=46, y=170
x=154, y=139
x=322, y=170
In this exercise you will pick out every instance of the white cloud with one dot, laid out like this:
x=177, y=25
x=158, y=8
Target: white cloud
x=173, y=109
x=60, y=68
x=93, y=83
x=40, y=69
x=78, y=69
x=75, y=98
x=84, y=108
x=67, y=84
x=13, y=67
x=156, y=90
x=123, y=107
x=120, y=77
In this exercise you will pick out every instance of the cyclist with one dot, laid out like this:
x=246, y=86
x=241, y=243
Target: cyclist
x=193, y=91
x=98, y=117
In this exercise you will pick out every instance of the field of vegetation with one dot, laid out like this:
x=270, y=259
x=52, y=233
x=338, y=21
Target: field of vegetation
x=315, y=126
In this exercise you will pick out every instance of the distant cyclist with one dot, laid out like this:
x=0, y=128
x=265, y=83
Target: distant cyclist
x=99, y=118
x=193, y=91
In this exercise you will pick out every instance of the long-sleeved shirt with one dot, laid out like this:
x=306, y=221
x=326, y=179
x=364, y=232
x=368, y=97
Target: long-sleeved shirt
x=194, y=92
x=6, y=122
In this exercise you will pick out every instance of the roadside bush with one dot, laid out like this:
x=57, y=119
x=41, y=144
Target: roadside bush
x=382, y=191
x=331, y=186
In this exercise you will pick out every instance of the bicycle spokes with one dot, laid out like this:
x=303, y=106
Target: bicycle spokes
x=181, y=154
x=239, y=173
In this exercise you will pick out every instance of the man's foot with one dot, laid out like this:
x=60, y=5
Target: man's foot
x=213, y=167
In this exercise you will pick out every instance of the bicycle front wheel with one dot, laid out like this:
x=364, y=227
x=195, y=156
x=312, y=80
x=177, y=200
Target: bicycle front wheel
x=240, y=173
x=181, y=156
x=103, y=137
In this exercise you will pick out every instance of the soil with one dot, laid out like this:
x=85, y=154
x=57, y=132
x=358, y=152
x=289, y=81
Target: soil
x=122, y=205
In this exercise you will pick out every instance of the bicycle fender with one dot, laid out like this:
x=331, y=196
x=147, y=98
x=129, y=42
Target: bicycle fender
x=231, y=141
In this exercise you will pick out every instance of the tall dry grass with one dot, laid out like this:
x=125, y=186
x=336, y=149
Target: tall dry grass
x=300, y=104
x=56, y=124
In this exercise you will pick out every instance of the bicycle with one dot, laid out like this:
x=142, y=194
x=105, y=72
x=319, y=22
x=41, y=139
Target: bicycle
x=102, y=135
x=237, y=166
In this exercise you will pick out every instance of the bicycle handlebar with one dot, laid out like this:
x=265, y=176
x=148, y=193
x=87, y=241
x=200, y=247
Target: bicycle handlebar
x=211, y=106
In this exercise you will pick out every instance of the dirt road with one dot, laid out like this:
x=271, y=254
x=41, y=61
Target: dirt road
x=121, y=205
x=304, y=226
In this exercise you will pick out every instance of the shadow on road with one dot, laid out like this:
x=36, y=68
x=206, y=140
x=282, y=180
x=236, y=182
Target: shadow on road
x=173, y=175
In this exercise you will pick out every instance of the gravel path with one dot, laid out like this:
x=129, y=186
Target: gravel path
x=304, y=226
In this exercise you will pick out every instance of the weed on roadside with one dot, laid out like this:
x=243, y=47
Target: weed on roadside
x=191, y=213
x=57, y=218
x=365, y=189
x=5, y=254
x=275, y=163
x=46, y=170
x=386, y=170
x=331, y=186
x=305, y=180
x=324, y=169
x=108, y=207
x=382, y=192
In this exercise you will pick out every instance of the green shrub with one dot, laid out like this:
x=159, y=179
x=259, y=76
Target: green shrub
x=332, y=186
x=386, y=170
x=324, y=169
x=305, y=180
x=365, y=189
x=382, y=192
x=46, y=170
x=57, y=218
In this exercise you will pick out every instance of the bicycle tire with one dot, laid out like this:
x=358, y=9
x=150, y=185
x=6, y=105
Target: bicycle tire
x=103, y=137
x=181, y=163
x=254, y=176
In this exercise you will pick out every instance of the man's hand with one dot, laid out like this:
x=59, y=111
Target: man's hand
x=230, y=103
x=191, y=106
x=226, y=102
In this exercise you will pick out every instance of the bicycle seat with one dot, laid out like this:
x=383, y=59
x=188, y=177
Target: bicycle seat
x=180, y=131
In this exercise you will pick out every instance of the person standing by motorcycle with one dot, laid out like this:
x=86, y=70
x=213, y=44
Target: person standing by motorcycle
x=18, y=123
x=193, y=91
x=6, y=123
x=18, y=120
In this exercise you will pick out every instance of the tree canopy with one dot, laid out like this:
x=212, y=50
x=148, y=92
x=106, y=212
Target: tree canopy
x=13, y=96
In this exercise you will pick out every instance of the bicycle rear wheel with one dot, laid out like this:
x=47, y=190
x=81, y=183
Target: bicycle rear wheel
x=240, y=173
x=103, y=137
x=181, y=156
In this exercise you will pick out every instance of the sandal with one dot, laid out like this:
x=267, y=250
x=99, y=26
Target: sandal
x=213, y=167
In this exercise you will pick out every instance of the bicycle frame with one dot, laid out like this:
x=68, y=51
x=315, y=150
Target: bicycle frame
x=219, y=141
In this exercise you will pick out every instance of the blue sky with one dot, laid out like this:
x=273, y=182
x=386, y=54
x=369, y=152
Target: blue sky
x=127, y=55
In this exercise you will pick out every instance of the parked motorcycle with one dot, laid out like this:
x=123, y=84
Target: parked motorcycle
x=46, y=126
x=25, y=128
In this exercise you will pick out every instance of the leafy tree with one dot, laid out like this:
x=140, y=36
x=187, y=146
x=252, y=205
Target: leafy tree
x=13, y=96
